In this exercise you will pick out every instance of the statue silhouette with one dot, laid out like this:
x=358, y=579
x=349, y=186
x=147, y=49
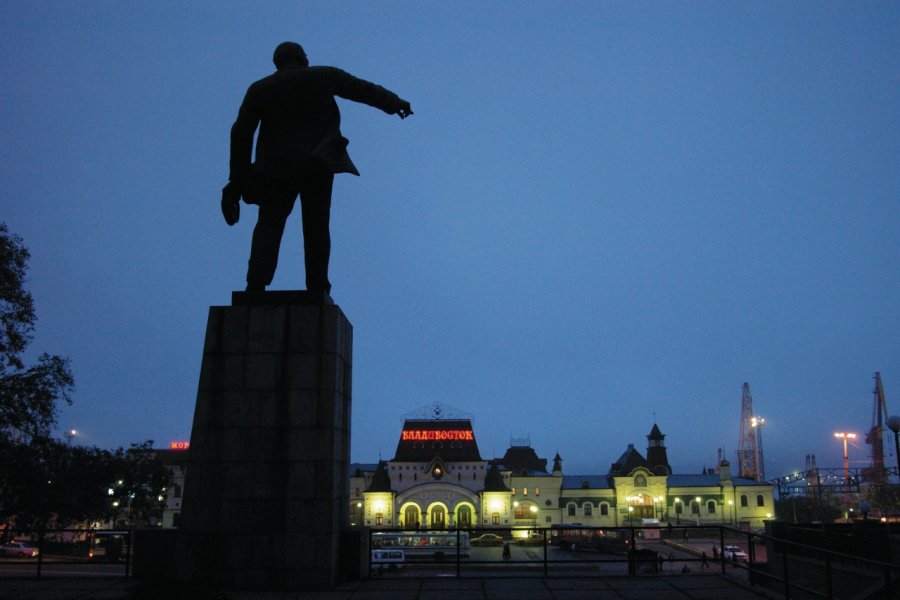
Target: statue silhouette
x=298, y=151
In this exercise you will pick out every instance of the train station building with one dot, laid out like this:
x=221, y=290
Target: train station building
x=437, y=479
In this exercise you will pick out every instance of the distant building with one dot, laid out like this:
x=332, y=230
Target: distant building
x=437, y=479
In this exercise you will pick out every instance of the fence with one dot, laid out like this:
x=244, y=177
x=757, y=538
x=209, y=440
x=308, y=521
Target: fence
x=792, y=569
x=64, y=552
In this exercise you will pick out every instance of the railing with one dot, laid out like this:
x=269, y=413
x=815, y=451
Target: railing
x=788, y=568
x=65, y=552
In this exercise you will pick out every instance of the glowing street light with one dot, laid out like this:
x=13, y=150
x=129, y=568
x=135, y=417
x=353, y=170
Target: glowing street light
x=846, y=436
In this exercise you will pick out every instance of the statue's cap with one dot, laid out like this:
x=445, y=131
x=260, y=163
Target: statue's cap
x=288, y=53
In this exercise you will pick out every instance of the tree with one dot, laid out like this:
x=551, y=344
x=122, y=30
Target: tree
x=29, y=395
x=44, y=482
x=139, y=490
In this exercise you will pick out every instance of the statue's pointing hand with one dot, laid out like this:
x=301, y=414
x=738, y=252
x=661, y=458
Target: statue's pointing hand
x=405, y=109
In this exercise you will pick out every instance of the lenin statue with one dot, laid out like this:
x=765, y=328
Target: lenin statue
x=299, y=148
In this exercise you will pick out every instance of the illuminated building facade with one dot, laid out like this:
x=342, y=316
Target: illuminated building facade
x=437, y=479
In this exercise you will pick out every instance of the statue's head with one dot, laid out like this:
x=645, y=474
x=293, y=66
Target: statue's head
x=289, y=54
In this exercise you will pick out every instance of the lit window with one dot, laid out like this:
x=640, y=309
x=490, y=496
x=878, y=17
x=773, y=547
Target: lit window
x=537, y=491
x=524, y=491
x=514, y=490
x=495, y=518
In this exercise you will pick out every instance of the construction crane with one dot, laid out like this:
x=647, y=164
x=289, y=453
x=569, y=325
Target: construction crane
x=748, y=448
x=876, y=473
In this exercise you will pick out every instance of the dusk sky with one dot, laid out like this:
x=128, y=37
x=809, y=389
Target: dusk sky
x=601, y=214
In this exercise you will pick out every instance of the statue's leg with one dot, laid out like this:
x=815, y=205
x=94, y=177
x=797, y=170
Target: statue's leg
x=273, y=214
x=315, y=201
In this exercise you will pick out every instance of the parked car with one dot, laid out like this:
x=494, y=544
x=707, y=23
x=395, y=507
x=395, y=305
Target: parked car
x=735, y=553
x=486, y=539
x=18, y=549
x=534, y=539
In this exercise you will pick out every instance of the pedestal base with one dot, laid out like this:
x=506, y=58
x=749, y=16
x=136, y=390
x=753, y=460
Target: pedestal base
x=265, y=493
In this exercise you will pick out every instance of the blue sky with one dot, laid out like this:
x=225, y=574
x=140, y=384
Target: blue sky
x=601, y=213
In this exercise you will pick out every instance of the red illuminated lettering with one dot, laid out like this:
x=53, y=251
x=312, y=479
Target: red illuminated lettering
x=422, y=435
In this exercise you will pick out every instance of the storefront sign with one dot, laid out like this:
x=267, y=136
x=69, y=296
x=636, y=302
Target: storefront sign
x=179, y=445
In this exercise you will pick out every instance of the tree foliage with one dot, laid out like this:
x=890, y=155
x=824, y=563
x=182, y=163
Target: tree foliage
x=45, y=482
x=48, y=483
x=29, y=395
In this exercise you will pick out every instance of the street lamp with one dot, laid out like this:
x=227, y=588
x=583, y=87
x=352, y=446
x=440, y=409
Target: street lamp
x=846, y=436
x=893, y=423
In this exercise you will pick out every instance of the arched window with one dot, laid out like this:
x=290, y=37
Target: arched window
x=571, y=509
x=695, y=507
x=588, y=510
x=760, y=500
x=464, y=517
x=604, y=509
x=711, y=507
x=522, y=511
x=744, y=502
x=679, y=507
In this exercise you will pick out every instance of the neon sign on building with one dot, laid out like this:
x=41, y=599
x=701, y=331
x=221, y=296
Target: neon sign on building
x=423, y=435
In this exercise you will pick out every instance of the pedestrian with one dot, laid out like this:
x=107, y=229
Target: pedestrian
x=704, y=562
x=684, y=535
x=662, y=561
x=506, y=552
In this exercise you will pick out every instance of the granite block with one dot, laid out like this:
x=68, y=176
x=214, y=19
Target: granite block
x=269, y=447
x=263, y=371
x=234, y=329
x=301, y=479
x=266, y=331
x=303, y=371
x=302, y=408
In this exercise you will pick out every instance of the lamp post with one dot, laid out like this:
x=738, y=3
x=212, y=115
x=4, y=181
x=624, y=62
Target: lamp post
x=893, y=423
x=846, y=436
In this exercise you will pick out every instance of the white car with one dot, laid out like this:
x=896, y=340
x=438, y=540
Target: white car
x=18, y=549
x=735, y=553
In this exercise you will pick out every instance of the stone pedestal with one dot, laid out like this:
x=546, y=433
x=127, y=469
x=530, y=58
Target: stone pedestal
x=265, y=494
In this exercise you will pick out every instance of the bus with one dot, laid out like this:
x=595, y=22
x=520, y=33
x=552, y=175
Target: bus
x=596, y=539
x=435, y=545
x=109, y=546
